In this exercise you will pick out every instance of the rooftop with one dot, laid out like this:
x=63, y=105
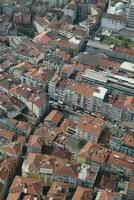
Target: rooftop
x=54, y=116
x=131, y=184
x=106, y=195
x=40, y=74
x=58, y=191
x=83, y=193
x=26, y=185
x=127, y=66
x=36, y=161
x=91, y=125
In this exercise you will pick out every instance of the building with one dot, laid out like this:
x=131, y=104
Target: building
x=67, y=70
x=122, y=140
x=130, y=18
x=27, y=50
x=38, y=78
x=6, y=136
x=113, y=161
x=7, y=172
x=10, y=105
x=112, y=22
x=70, y=39
x=90, y=128
x=127, y=34
x=106, y=195
x=42, y=38
x=87, y=175
x=127, y=67
x=118, y=108
x=20, y=69
x=77, y=94
x=82, y=156
x=19, y=127
x=70, y=11
x=48, y=133
x=130, y=192
x=83, y=9
x=66, y=174
x=40, y=24
x=45, y=166
x=22, y=18
x=52, y=60
x=73, y=144
x=6, y=27
x=13, y=150
x=109, y=182
x=9, y=8
x=23, y=128
x=26, y=186
x=41, y=7
x=125, y=54
x=36, y=101
x=58, y=191
x=83, y=193
x=34, y=144
x=54, y=117
x=109, y=80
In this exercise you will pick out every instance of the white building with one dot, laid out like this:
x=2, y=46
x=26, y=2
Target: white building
x=127, y=66
x=113, y=22
x=130, y=19
x=70, y=11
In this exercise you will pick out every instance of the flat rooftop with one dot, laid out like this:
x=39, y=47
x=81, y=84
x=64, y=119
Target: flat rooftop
x=127, y=66
x=91, y=74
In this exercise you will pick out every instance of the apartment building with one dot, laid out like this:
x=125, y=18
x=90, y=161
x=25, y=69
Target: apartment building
x=7, y=172
x=6, y=136
x=58, y=190
x=26, y=186
x=130, y=192
x=70, y=11
x=45, y=166
x=35, y=100
x=31, y=76
x=83, y=193
x=109, y=80
x=39, y=78
x=111, y=51
x=87, y=175
x=122, y=140
x=113, y=161
x=10, y=105
x=107, y=195
x=74, y=93
x=90, y=128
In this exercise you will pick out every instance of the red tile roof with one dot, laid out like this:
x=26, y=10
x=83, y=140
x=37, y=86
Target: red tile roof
x=43, y=38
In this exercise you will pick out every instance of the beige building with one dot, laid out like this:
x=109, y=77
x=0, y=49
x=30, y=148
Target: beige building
x=41, y=167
